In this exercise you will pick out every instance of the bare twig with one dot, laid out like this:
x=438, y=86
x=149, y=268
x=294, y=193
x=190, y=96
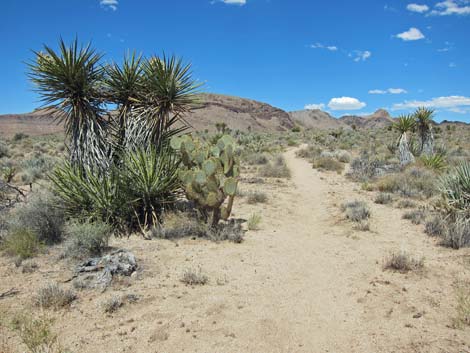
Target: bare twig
x=9, y=293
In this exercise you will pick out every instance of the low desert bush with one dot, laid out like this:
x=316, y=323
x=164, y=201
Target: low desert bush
x=310, y=152
x=4, y=151
x=256, y=159
x=112, y=304
x=36, y=334
x=257, y=197
x=52, y=296
x=178, y=225
x=403, y=262
x=457, y=233
x=21, y=242
x=436, y=226
x=406, y=204
x=194, y=277
x=383, y=199
x=86, y=239
x=328, y=163
x=415, y=216
x=463, y=306
x=19, y=136
x=343, y=156
x=275, y=169
x=363, y=226
x=413, y=182
x=231, y=231
x=364, y=167
x=254, y=221
x=42, y=215
x=356, y=211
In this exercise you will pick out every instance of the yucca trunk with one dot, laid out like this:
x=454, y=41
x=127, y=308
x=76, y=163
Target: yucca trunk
x=427, y=143
x=404, y=154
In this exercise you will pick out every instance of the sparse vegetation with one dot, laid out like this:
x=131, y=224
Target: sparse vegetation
x=415, y=216
x=193, y=277
x=52, y=296
x=383, y=198
x=86, y=239
x=21, y=242
x=253, y=221
x=403, y=262
x=462, y=318
x=276, y=169
x=356, y=211
x=257, y=197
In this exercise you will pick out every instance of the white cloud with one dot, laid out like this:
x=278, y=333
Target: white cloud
x=320, y=106
x=417, y=8
x=449, y=102
x=110, y=4
x=397, y=91
x=411, y=34
x=359, y=55
x=322, y=46
x=390, y=90
x=345, y=103
x=234, y=2
x=452, y=7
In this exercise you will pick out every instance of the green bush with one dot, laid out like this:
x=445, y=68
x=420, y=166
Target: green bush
x=87, y=239
x=356, y=211
x=328, y=163
x=21, y=242
x=43, y=215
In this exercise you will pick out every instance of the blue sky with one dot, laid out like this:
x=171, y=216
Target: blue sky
x=346, y=57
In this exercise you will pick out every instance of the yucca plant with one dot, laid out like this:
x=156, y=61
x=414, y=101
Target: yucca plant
x=424, y=121
x=69, y=83
x=455, y=188
x=435, y=162
x=403, y=125
x=150, y=182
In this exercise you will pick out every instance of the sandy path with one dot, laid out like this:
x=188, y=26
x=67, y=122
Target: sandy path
x=306, y=282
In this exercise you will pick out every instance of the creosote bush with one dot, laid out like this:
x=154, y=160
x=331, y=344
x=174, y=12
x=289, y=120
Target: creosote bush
x=21, y=242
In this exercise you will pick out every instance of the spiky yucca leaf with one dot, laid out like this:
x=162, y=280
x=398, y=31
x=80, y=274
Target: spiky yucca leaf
x=455, y=188
x=435, y=162
x=404, y=123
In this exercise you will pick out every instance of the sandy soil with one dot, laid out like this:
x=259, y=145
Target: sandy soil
x=306, y=282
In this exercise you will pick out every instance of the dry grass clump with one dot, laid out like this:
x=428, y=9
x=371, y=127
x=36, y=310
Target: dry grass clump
x=415, y=216
x=87, y=239
x=328, y=163
x=256, y=159
x=275, y=169
x=52, y=296
x=406, y=204
x=309, y=152
x=383, y=198
x=356, y=211
x=403, y=262
x=231, y=231
x=435, y=226
x=257, y=197
x=178, y=225
x=414, y=182
x=254, y=221
x=112, y=304
x=457, y=233
x=193, y=277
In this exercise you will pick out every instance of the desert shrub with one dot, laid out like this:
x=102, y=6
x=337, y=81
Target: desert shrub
x=52, y=296
x=42, y=215
x=231, y=231
x=21, y=242
x=415, y=216
x=275, y=169
x=177, y=225
x=256, y=159
x=257, y=197
x=36, y=333
x=253, y=221
x=413, y=182
x=435, y=226
x=364, y=167
x=383, y=198
x=4, y=152
x=36, y=167
x=406, y=204
x=403, y=262
x=194, y=277
x=309, y=152
x=356, y=211
x=112, y=304
x=363, y=226
x=457, y=233
x=86, y=239
x=343, y=156
x=19, y=136
x=328, y=163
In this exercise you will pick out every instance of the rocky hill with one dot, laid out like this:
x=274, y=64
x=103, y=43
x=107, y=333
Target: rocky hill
x=317, y=119
x=380, y=119
x=235, y=112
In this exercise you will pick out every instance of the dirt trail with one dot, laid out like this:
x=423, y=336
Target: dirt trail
x=306, y=282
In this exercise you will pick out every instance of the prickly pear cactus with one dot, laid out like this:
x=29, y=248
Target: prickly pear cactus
x=209, y=174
